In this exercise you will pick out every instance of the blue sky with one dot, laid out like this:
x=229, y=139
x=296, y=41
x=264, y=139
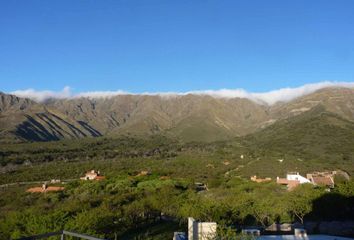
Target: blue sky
x=157, y=46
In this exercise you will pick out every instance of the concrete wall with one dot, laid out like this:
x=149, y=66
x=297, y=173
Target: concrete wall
x=206, y=230
x=201, y=230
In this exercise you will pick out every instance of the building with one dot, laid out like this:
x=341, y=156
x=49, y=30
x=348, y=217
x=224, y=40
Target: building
x=260, y=180
x=143, y=173
x=292, y=180
x=197, y=231
x=201, y=230
x=296, y=176
x=322, y=178
x=93, y=175
x=45, y=188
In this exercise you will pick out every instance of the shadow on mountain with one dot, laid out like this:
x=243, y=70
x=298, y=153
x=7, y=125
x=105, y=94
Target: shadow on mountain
x=90, y=129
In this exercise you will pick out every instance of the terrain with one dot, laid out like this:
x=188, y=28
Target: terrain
x=176, y=142
x=149, y=189
x=185, y=117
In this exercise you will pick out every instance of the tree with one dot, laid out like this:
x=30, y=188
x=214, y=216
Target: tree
x=300, y=201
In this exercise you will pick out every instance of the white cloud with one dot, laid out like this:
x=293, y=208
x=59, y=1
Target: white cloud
x=41, y=96
x=271, y=97
x=101, y=94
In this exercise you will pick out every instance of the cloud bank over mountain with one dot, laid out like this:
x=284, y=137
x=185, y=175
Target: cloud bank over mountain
x=270, y=98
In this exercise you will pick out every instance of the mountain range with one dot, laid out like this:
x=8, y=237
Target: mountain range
x=189, y=117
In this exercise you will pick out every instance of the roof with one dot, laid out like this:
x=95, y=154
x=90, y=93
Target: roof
x=100, y=178
x=91, y=174
x=48, y=189
x=290, y=183
x=321, y=180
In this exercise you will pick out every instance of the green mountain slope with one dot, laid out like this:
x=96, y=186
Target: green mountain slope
x=186, y=117
x=316, y=139
x=24, y=120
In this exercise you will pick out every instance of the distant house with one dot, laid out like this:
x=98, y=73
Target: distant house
x=226, y=162
x=296, y=176
x=292, y=180
x=143, y=173
x=93, y=175
x=322, y=178
x=290, y=184
x=45, y=188
x=260, y=180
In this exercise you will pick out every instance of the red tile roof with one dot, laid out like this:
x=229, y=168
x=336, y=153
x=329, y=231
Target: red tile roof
x=100, y=178
x=320, y=180
x=41, y=190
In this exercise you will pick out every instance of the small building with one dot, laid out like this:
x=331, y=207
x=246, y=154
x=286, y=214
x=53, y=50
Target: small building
x=93, y=175
x=260, y=180
x=290, y=184
x=296, y=176
x=143, y=173
x=226, y=163
x=321, y=179
x=292, y=180
x=45, y=188
x=55, y=181
x=201, y=230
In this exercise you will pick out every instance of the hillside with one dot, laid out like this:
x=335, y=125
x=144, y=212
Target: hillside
x=314, y=138
x=186, y=117
x=177, y=116
x=25, y=120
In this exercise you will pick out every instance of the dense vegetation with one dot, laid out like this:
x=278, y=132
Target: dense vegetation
x=122, y=204
x=153, y=206
x=141, y=207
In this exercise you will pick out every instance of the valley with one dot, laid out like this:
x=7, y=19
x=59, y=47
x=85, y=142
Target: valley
x=179, y=144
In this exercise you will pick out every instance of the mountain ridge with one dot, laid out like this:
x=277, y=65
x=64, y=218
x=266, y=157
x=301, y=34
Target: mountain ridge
x=188, y=117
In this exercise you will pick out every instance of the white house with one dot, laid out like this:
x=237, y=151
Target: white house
x=93, y=175
x=297, y=177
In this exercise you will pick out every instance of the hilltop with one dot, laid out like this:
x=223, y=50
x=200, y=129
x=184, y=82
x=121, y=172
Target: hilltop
x=187, y=117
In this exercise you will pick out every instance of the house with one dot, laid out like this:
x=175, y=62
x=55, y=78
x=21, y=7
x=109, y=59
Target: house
x=45, y=188
x=292, y=180
x=226, y=163
x=322, y=178
x=197, y=231
x=296, y=176
x=290, y=184
x=260, y=180
x=93, y=175
x=143, y=173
